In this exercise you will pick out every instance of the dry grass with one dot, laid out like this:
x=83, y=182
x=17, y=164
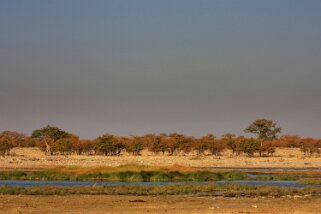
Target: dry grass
x=31, y=158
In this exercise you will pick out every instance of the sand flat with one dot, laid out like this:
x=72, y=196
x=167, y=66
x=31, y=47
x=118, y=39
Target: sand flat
x=25, y=158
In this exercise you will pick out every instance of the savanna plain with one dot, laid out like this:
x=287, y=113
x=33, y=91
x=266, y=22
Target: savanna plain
x=53, y=171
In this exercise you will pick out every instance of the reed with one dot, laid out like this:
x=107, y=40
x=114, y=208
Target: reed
x=227, y=190
x=128, y=173
x=312, y=181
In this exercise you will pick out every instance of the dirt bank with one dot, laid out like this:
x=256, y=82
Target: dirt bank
x=157, y=204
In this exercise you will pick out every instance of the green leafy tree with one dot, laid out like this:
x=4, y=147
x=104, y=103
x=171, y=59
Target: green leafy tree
x=250, y=146
x=49, y=135
x=65, y=146
x=109, y=145
x=266, y=130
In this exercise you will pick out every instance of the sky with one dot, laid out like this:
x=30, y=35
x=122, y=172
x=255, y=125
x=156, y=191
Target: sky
x=160, y=66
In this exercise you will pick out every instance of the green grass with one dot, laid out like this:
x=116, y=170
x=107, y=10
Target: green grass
x=313, y=181
x=12, y=175
x=137, y=173
x=128, y=176
x=227, y=190
x=281, y=176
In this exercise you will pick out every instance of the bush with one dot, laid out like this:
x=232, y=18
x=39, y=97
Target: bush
x=10, y=139
x=267, y=149
x=200, y=146
x=250, y=146
x=216, y=147
x=83, y=147
x=309, y=147
x=5, y=147
x=134, y=146
x=155, y=144
x=108, y=145
x=63, y=146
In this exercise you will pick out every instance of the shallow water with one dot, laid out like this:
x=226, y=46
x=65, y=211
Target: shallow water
x=24, y=183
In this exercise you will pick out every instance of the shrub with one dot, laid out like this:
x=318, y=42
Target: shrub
x=135, y=145
x=108, y=145
x=178, y=142
x=267, y=149
x=200, y=146
x=309, y=147
x=155, y=144
x=63, y=146
x=8, y=140
x=83, y=147
x=5, y=147
x=216, y=147
x=250, y=146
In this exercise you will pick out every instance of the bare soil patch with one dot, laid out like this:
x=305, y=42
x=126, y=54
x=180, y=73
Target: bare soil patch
x=156, y=204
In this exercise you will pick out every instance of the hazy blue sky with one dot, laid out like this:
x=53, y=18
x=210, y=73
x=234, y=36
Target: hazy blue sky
x=135, y=67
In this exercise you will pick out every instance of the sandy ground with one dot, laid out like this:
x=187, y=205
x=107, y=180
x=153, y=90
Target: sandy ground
x=25, y=158
x=156, y=204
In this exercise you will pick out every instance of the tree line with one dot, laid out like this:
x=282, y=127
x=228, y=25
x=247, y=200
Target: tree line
x=53, y=141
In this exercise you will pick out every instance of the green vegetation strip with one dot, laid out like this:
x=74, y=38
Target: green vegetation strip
x=147, y=175
x=282, y=177
x=124, y=176
x=227, y=190
x=294, y=176
x=310, y=181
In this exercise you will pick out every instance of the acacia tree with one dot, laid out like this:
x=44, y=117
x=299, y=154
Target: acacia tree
x=201, y=145
x=291, y=141
x=266, y=130
x=232, y=143
x=250, y=146
x=310, y=146
x=49, y=135
x=155, y=143
x=65, y=146
x=16, y=139
x=108, y=145
x=135, y=145
x=215, y=146
x=7, y=140
x=178, y=142
x=83, y=146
